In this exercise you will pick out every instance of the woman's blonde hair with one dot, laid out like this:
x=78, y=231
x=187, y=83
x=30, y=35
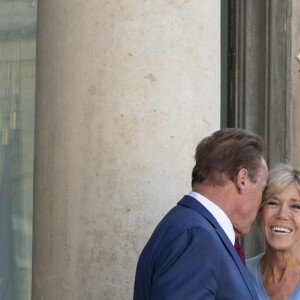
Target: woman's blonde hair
x=278, y=179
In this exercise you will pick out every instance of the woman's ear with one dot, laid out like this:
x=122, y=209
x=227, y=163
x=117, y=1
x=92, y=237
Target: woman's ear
x=241, y=179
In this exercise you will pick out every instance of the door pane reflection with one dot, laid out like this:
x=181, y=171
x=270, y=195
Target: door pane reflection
x=17, y=99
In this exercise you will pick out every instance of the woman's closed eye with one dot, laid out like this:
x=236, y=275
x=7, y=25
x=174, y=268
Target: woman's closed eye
x=296, y=206
x=272, y=202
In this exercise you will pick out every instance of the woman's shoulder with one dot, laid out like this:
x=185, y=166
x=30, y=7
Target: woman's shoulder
x=253, y=267
x=254, y=262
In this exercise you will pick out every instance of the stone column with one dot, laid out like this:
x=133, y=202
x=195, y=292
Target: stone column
x=125, y=90
x=295, y=86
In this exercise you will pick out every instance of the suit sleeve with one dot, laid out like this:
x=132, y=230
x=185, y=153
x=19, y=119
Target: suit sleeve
x=188, y=267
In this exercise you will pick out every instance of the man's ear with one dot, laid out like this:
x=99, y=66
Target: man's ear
x=241, y=178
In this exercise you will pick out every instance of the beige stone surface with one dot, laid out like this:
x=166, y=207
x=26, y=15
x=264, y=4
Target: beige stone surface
x=125, y=90
x=295, y=95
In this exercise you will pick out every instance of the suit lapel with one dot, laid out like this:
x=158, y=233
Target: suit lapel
x=192, y=203
x=237, y=260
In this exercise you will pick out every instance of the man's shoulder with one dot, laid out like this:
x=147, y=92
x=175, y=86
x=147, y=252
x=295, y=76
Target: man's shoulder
x=180, y=221
x=184, y=217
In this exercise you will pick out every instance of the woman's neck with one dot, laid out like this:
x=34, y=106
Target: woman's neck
x=279, y=263
x=280, y=272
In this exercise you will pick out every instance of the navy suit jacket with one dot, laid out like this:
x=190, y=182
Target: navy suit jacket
x=190, y=257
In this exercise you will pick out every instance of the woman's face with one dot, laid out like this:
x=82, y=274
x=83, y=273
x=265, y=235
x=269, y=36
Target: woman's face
x=280, y=219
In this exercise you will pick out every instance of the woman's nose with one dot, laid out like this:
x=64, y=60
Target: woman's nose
x=282, y=213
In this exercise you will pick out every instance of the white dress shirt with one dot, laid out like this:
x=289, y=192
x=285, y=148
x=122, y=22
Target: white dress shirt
x=218, y=213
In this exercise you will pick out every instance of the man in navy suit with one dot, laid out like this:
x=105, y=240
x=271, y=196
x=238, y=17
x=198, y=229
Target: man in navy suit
x=191, y=253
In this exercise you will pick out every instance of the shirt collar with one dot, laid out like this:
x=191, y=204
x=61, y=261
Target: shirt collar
x=218, y=213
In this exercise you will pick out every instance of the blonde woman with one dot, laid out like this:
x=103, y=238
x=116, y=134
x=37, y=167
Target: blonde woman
x=276, y=272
